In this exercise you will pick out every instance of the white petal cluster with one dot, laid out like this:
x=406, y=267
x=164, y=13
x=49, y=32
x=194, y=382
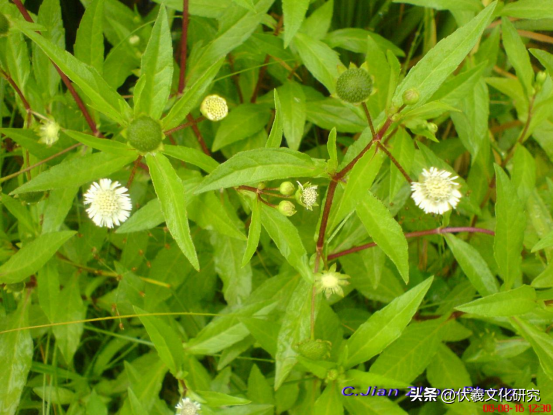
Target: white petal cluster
x=214, y=108
x=49, y=133
x=109, y=203
x=307, y=195
x=437, y=191
x=187, y=406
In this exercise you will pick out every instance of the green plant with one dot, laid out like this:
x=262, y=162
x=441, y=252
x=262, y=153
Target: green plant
x=204, y=210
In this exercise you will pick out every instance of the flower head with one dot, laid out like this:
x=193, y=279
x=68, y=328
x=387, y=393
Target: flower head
x=354, y=85
x=307, y=195
x=109, y=203
x=437, y=192
x=145, y=134
x=331, y=282
x=214, y=108
x=49, y=133
x=186, y=406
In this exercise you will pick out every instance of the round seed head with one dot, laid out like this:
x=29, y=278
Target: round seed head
x=354, y=86
x=145, y=134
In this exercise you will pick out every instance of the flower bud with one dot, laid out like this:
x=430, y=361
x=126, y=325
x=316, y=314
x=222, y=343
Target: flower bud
x=287, y=188
x=433, y=128
x=134, y=40
x=4, y=25
x=541, y=76
x=287, y=208
x=314, y=349
x=49, y=133
x=354, y=85
x=145, y=134
x=262, y=185
x=214, y=108
x=411, y=96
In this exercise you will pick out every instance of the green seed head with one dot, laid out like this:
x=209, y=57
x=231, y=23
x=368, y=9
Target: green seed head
x=145, y=134
x=314, y=349
x=287, y=208
x=411, y=96
x=4, y=25
x=287, y=188
x=354, y=85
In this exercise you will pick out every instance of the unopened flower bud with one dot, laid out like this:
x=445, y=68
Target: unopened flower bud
x=145, y=134
x=411, y=96
x=287, y=208
x=134, y=40
x=354, y=85
x=262, y=185
x=433, y=128
x=49, y=133
x=214, y=108
x=287, y=188
x=4, y=25
x=314, y=349
x=541, y=76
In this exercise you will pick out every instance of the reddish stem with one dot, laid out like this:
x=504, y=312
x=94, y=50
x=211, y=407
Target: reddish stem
x=437, y=231
x=393, y=160
x=185, y=125
x=198, y=134
x=183, y=46
x=21, y=96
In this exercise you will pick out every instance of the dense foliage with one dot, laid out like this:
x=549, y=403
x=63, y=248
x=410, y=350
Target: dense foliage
x=247, y=206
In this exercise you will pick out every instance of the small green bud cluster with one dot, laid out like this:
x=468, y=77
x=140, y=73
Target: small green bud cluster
x=145, y=134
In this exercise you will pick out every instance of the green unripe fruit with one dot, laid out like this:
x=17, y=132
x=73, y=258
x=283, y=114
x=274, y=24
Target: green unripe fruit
x=433, y=128
x=287, y=188
x=354, y=86
x=411, y=96
x=287, y=208
x=314, y=349
x=145, y=134
x=31, y=197
x=4, y=25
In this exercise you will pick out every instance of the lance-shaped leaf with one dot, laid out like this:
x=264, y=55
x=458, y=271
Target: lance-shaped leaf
x=89, y=46
x=260, y=165
x=77, y=171
x=294, y=14
x=156, y=72
x=102, y=96
x=192, y=156
x=541, y=342
x=432, y=70
x=385, y=231
x=16, y=356
x=170, y=191
x=254, y=232
x=517, y=54
x=109, y=146
x=385, y=326
x=509, y=229
x=529, y=9
x=521, y=300
x=275, y=136
x=32, y=256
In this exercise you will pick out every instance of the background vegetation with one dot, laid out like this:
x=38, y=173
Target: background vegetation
x=207, y=291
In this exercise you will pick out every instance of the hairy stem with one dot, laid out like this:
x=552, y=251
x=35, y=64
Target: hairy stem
x=437, y=231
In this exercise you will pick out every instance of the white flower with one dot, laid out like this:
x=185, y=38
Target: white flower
x=49, y=133
x=331, y=282
x=109, y=203
x=307, y=195
x=214, y=108
x=187, y=406
x=437, y=192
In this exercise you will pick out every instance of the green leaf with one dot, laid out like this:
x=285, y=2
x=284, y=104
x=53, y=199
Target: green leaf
x=329, y=402
x=48, y=280
x=29, y=140
x=545, y=279
x=77, y=171
x=109, y=146
x=258, y=388
x=154, y=85
x=20, y=211
x=170, y=191
x=408, y=356
x=254, y=232
x=432, y=70
x=293, y=111
x=385, y=326
x=545, y=242
x=275, y=137
x=294, y=14
x=147, y=217
x=242, y=122
x=136, y=406
x=473, y=265
x=16, y=355
x=166, y=341
x=366, y=379
x=254, y=166
x=209, y=212
x=373, y=405
x=517, y=54
x=192, y=156
x=385, y=231
x=545, y=58
x=541, y=342
x=89, y=46
x=216, y=399
x=332, y=151
x=521, y=300
x=509, y=230
x=104, y=98
x=32, y=256
x=319, y=59
x=287, y=239
x=529, y=9
x=465, y=5
x=447, y=371
x=355, y=40
x=55, y=395
x=58, y=206
x=191, y=96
